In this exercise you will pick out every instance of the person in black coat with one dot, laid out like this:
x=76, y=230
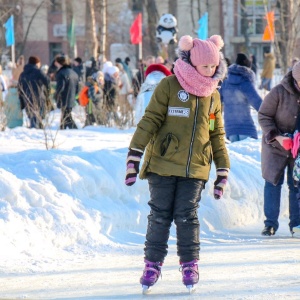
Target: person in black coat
x=111, y=93
x=78, y=68
x=91, y=67
x=66, y=90
x=34, y=89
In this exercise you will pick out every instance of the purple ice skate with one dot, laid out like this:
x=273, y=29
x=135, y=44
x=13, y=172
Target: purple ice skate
x=190, y=274
x=150, y=275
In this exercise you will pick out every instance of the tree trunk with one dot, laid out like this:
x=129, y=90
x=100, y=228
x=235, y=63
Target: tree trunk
x=173, y=5
x=152, y=24
x=286, y=39
x=91, y=40
x=69, y=16
x=22, y=46
x=103, y=8
x=244, y=26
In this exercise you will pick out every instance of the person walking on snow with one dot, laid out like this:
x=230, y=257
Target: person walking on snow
x=33, y=90
x=268, y=70
x=66, y=90
x=182, y=131
x=94, y=111
x=277, y=117
x=238, y=94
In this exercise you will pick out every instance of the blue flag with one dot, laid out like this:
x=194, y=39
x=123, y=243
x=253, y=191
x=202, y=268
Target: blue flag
x=203, y=27
x=10, y=33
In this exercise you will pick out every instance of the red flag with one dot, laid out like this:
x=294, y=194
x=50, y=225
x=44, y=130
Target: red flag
x=136, y=30
x=269, y=32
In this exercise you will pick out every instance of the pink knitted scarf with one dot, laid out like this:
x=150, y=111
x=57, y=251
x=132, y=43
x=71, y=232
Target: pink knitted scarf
x=192, y=81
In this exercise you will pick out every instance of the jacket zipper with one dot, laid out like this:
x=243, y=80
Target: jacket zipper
x=192, y=139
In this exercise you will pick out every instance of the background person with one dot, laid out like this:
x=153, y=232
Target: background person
x=238, y=95
x=66, y=90
x=33, y=89
x=154, y=74
x=277, y=117
x=268, y=70
x=94, y=109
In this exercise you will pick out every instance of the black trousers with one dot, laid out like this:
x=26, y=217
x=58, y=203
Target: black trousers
x=173, y=198
x=66, y=120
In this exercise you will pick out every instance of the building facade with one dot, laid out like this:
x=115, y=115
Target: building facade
x=44, y=28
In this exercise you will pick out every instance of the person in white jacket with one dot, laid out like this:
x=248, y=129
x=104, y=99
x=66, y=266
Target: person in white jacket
x=154, y=74
x=124, y=91
x=3, y=85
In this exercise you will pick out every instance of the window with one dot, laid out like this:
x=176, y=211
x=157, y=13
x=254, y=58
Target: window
x=56, y=5
x=55, y=48
x=256, y=11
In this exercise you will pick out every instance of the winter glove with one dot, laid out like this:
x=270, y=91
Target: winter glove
x=133, y=166
x=285, y=141
x=219, y=184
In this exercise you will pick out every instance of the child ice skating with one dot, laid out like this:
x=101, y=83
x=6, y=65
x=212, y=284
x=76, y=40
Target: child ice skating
x=182, y=132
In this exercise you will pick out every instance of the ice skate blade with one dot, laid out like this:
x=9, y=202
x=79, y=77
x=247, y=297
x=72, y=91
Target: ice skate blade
x=191, y=289
x=146, y=289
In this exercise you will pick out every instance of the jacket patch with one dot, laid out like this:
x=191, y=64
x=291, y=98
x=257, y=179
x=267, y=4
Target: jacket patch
x=178, y=112
x=183, y=95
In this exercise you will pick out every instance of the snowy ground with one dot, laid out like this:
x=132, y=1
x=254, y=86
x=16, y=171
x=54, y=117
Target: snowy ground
x=71, y=229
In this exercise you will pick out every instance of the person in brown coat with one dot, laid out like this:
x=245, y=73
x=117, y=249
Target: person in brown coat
x=268, y=70
x=277, y=117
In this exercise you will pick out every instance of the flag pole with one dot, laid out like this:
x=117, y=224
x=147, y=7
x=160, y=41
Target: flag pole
x=140, y=51
x=13, y=54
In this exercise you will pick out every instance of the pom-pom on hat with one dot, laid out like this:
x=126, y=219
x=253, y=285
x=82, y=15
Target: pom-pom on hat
x=158, y=67
x=202, y=52
x=33, y=60
x=243, y=60
x=296, y=71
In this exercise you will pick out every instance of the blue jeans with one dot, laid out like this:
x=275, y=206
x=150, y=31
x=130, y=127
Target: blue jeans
x=265, y=84
x=237, y=137
x=272, y=195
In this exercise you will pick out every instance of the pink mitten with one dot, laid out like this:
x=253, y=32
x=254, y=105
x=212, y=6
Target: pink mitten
x=287, y=144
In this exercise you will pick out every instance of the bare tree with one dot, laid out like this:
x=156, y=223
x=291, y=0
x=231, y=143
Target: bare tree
x=286, y=37
x=244, y=25
x=152, y=24
x=69, y=16
x=198, y=13
x=173, y=9
x=35, y=12
x=103, y=11
x=91, y=36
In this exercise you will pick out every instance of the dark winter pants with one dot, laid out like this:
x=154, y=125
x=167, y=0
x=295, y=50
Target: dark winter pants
x=272, y=195
x=173, y=198
x=66, y=119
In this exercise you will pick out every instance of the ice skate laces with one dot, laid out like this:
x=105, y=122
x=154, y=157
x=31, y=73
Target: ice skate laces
x=189, y=269
x=152, y=270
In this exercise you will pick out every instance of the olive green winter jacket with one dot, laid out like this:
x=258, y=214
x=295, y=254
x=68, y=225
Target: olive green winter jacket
x=175, y=130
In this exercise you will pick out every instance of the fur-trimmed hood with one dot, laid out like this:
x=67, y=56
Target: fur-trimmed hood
x=238, y=74
x=288, y=82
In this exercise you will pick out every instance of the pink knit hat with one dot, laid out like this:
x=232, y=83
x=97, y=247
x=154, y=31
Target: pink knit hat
x=296, y=71
x=203, y=52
